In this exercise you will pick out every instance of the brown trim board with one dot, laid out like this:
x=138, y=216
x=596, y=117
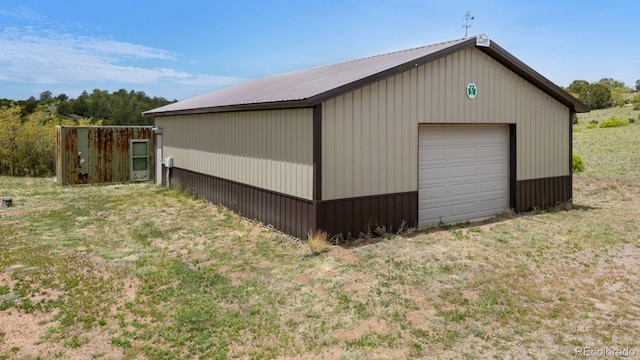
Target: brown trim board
x=571, y=114
x=513, y=165
x=317, y=152
x=542, y=193
x=291, y=215
x=295, y=216
x=353, y=216
x=361, y=215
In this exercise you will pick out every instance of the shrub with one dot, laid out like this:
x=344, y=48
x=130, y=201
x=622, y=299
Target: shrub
x=632, y=120
x=577, y=164
x=574, y=119
x=594, y=122
x=591, y=125
x=611, y=122
x=318, y=242
x=596, y=96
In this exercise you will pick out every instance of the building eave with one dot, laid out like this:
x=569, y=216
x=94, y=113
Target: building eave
x=231, y=108
x=319, y=98
x=523, y=70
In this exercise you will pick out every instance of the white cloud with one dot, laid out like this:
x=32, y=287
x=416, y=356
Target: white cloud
x=23, y=13
x=48, y=56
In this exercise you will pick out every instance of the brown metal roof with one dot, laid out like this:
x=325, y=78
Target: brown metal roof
x=311, y=86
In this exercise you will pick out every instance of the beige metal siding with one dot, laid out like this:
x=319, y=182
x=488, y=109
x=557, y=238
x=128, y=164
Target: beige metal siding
x=370, y=135
x=270, y=149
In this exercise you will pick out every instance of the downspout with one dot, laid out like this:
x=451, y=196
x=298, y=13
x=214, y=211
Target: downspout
x=169, y=167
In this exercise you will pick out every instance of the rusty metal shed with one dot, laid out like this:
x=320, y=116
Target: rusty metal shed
x=103, y=154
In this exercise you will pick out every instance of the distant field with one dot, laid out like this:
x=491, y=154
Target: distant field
x=603, y=114
x=139, y=271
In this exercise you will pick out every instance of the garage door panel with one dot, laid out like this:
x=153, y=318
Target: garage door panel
x=491, y=186
x=490, y=205
x=492, y=168
x=490, y=151
x=436, y=173
x=463, y=172
x=435, y=155
x=431, y=214
x=435, y=193
x=464, y=210
x=463, y=189
x=464, y=152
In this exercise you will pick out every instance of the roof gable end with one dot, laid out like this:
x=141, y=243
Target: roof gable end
x=309, y=87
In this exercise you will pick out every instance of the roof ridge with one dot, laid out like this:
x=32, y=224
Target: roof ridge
x=411, y=49
x=364, y=58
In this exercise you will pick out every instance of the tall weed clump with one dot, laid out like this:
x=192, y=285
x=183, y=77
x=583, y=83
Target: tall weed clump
x=318, y=242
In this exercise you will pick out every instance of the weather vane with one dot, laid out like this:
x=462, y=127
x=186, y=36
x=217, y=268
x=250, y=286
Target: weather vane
x=467, y=18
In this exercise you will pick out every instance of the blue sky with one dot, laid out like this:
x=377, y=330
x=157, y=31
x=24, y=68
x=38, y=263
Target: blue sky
x=179, y=49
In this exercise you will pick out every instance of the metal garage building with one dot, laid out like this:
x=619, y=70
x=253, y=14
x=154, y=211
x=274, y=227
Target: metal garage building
x=446, y=132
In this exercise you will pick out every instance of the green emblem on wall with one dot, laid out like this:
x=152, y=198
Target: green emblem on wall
x=472, y=90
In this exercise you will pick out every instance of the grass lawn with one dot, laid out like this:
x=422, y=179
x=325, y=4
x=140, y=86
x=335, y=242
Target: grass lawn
x=138, y=271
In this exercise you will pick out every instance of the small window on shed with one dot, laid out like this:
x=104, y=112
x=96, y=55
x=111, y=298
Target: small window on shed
x=139, y=159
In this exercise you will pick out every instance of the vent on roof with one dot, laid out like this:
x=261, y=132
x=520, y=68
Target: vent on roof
x=483, y=40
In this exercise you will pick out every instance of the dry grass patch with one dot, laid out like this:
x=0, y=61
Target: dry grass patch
x=318, y=242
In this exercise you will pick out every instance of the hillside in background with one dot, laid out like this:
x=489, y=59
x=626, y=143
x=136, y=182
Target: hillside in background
x=118, y=108
x=605, y=93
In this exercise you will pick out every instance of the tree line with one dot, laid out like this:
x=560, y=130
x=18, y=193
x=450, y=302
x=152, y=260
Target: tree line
x=27, y=127
x=118, y=108
x=604, y=93
x=27, y=143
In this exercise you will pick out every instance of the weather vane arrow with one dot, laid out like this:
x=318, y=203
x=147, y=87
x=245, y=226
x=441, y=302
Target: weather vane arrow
x=467, y=18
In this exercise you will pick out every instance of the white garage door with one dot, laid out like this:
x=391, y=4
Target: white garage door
x=463, y=172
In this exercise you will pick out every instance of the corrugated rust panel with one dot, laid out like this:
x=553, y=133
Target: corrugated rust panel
x=106, y=148
x=70, y=170
x=121, y=154
x=59, y=152
x=101, y=155
x=96, y=155
x=84, y=156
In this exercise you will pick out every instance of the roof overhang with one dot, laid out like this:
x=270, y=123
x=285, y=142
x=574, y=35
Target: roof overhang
x=241, y=107
x=526, y=72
